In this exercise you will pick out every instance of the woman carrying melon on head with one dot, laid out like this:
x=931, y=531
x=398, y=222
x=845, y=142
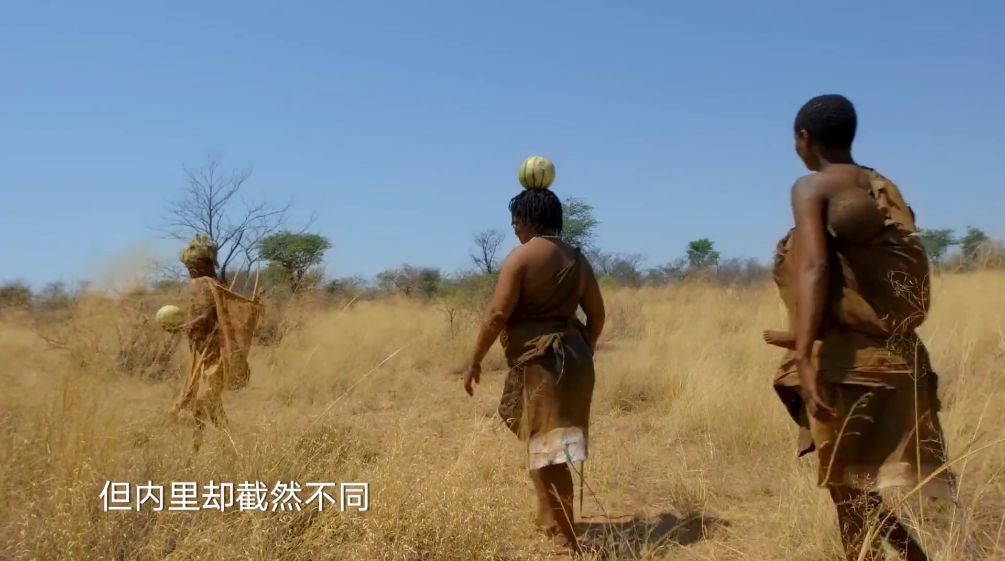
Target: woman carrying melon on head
x=549, y=387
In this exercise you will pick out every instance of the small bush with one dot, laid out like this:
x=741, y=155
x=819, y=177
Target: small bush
x=15, y=294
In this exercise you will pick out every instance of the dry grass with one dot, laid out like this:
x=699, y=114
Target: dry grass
x=688, y=439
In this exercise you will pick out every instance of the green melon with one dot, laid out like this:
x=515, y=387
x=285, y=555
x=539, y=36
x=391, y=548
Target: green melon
x=537, y=172
x=170, y=318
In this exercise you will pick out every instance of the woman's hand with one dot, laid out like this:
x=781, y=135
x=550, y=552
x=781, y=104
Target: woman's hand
x=472, y=378
x=808, y=383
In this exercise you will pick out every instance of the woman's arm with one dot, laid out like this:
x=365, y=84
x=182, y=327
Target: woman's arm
x=808, y=207
x=593, y=306
x=203, y=310
x=498, y=312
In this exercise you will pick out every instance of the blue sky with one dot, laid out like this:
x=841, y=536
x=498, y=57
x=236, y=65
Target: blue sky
x=401, y=124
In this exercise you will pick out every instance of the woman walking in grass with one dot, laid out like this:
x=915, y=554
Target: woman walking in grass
x=854, y=276
x=547, y=394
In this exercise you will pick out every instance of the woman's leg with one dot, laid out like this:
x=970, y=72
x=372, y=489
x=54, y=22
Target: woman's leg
x=555, y=498
x=545, y=521
x=199, y=432
x=855, y=510
x=896, y=534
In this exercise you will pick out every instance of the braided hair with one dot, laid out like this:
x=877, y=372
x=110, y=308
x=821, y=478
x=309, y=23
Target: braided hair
x=539, y=208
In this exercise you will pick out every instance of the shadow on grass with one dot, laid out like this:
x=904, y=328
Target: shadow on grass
x=613, y=538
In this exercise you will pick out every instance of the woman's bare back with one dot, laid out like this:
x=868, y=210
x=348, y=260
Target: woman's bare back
x=546, y=257
x=546, y=260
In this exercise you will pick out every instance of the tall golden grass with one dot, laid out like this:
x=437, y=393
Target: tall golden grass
x=691, y=456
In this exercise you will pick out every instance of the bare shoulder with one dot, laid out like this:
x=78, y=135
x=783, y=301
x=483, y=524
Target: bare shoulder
x=812, y=181
x=517, y=258
x=808, y=186
x=821, y=185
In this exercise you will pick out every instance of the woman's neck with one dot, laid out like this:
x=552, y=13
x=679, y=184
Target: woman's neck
x=830, y=158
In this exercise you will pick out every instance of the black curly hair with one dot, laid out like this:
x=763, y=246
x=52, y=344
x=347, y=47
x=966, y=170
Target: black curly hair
x=829, y=119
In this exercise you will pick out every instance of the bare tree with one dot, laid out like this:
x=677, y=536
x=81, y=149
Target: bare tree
x=166, y=274
x=487, y=244
x=411, y=281
x=212, y=204
x=622, y=267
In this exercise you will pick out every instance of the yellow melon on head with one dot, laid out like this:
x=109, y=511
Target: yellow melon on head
x=537, y=172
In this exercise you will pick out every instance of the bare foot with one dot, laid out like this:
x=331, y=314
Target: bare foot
x=781, y=339
x=557, y=544
x=563, y=549
x=550, y=531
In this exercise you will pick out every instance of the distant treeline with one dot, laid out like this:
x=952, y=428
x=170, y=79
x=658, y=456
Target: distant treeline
x=257, y=244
